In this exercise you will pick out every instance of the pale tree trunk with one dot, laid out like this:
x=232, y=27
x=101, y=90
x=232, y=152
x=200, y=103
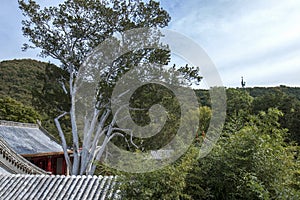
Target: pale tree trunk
x=64, y=143
x=94, y=130
x=73, y=167
x=76, y=156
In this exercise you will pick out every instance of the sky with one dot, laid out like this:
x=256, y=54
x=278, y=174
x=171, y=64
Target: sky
x=256, y=39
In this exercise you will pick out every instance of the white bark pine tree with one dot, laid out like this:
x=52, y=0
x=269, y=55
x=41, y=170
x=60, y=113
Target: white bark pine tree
x=68, y=33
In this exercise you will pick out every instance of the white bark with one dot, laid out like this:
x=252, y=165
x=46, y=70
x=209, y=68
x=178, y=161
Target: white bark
x=88, y=131
x=64, y=143
x=94, y=129
x=92, y=145
x=76, y=156
x=110, y=134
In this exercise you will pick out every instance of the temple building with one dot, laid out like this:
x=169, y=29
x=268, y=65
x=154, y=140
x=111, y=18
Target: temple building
x=32, y=166
x=35, y=144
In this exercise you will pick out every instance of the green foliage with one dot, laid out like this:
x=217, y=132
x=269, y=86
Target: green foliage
x=253, y=163
x=289, y=105
x=167, y=183
x=18, y=79
x=12, y=110
x=191, y=74
x=203, y=97
x=51, y=99
x=237, y=101
x=38, y=85
x=69, y=33
x=205, y=116
x=239, y=106
x=142, y=100
x=260, y=91
x=71, y=30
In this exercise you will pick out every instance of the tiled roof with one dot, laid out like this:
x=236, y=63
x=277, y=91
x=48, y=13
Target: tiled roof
x=27, y=138
x=28, y=187
x=3, y=170
x=11, y=162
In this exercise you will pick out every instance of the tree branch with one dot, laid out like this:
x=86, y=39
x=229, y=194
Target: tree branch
x=74, y=125
x=100, y=131
x=87, y=140
x=63, y=140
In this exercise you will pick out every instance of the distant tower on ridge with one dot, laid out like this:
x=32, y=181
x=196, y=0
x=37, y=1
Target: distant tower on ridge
x=243, y=83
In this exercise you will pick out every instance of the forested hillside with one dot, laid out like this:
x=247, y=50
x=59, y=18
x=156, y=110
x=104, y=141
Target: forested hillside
x=259, y=91
x=20, y=78
x=256, y=157
x=35, y=87
x=257, y=99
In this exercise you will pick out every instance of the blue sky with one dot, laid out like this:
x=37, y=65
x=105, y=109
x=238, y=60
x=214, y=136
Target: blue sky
x=257, y=39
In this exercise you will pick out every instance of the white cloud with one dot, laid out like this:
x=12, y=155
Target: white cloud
x=250, y=38
x=256, y=39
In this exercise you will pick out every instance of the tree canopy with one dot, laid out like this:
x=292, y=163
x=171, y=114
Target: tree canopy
x=250, y=155
x=13, y=110
x=68, y=33
x=71, y=30
x=252, y=160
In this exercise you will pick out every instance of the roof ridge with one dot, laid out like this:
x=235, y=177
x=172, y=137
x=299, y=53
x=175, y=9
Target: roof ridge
x=21, y=186
x=60, y=176
x=20, y=164
x=18, y=124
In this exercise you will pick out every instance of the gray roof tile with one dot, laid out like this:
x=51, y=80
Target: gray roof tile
x=3, y=170
x=12, y=162
x=58, y=187
x=28, y=140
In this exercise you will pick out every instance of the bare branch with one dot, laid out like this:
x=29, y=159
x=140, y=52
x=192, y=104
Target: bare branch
x=100, y=153
x=115, y=134
x=63, y=86
x=131, y=141
x=87, y=140
x=100, y=131
x=63, y=139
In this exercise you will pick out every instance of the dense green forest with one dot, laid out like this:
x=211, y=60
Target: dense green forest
x=257, y=156
x=35, y=86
